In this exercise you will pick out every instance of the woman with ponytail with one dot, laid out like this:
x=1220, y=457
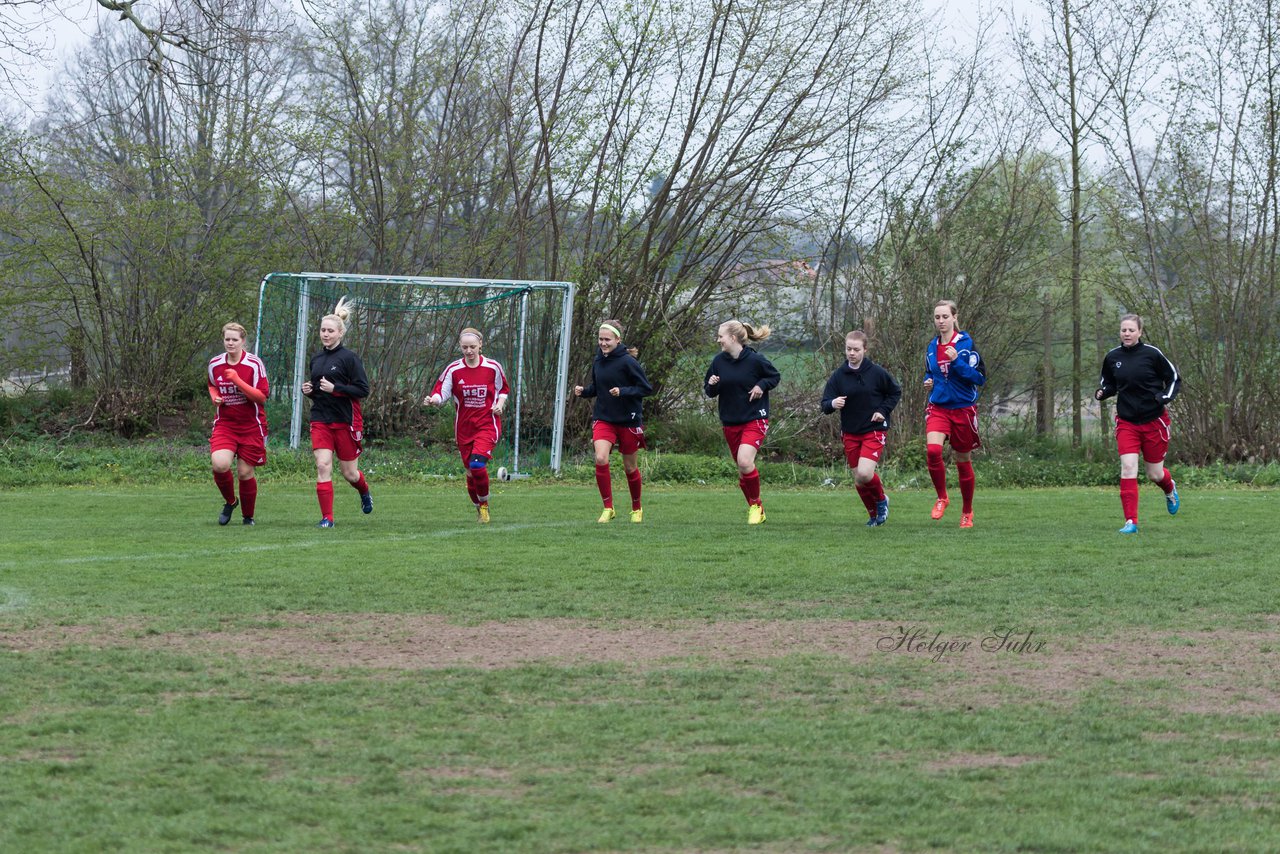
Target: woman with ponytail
x=337, y=385
x=740, y=379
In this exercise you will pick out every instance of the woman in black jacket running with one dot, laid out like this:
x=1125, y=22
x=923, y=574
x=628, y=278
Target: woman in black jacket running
x=740, y=379
x=1143, y=382
x=618, y=384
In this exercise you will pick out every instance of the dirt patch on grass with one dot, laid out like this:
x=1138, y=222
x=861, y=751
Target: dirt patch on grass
x=967, y=761
x=1229, y=671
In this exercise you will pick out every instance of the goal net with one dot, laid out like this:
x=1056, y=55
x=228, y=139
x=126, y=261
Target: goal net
x=405, y=330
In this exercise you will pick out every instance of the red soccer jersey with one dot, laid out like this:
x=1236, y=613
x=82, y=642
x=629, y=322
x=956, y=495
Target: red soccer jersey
x=237, y=411
x=475, y=391
x=944, y=364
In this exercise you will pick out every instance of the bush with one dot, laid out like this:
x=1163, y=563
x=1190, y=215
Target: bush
x=36, y=413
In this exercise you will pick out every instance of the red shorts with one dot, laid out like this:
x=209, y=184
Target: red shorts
x=627, y=440
x=247, y=446
x=863, y=446
x=481, y=443
x=1150, y=439
x=960, y=426
x=751, y=433
x=337, y=437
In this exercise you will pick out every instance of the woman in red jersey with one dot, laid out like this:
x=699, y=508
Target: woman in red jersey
x=478, y=386
x=238, y=385
x=338, y=383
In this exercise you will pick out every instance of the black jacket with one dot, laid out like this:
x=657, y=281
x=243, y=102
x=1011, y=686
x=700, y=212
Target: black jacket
x=737, y=377
x=1142, y=379
x=346, y=372
x=869, y=389
x=617, y=369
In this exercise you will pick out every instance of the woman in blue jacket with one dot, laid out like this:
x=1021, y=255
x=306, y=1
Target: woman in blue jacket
x=740, y=379
x=618, y=384
x=953, y=374
x=864, y=394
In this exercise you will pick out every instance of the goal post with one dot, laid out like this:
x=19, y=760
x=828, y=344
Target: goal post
x=405, y=329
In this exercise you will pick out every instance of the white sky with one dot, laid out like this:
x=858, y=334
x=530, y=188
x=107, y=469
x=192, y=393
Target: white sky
x=58, y=41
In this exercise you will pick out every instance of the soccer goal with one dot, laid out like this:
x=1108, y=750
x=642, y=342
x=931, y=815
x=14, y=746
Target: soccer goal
x=405, y=330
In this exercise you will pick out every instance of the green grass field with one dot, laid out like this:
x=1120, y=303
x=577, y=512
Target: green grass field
x=412, y=681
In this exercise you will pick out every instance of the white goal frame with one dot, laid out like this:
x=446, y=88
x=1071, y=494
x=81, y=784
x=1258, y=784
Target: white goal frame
x=303, y=331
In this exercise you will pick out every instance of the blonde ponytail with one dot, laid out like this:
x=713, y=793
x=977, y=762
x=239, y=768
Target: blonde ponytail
x=341, y=314
x=745, y=333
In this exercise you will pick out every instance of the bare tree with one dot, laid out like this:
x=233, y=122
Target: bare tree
x=1057, y=80
x=1197, y=214
x=141, y=224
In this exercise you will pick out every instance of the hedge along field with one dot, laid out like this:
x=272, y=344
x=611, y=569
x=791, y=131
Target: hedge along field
x=411, y=679
x=1015, y=463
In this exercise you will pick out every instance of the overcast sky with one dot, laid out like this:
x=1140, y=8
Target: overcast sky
x=63, y=34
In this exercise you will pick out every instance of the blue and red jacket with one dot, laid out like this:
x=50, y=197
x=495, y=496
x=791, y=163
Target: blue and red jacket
x=955, y=382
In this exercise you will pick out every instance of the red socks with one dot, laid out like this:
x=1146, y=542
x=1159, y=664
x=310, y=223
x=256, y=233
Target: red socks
x=750, y=486
x=867, y=493
x=226, y=483
x=965, y=472
x=248, y=496
x=1166, y=482
x=324, y=494
x=633, y=484
x=361, y=485
x=1129, y=498
x=604, y=483
x=481, y=481
x=937, y=469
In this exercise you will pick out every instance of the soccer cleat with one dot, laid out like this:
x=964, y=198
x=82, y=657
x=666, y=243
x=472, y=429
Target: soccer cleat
x=325, y=523
x=1172, y=501
x=225, y=516
x=872, y=523
x=1130, y=527
x=939, y=507
x=966, y=520
x=608, y=514
x=248, y=520
x=637, y=515
x=482, y=511
x=366, y=502
x=882, y=510
x=755, y=514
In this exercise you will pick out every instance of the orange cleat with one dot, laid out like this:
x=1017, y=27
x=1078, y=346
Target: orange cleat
x=940, y=507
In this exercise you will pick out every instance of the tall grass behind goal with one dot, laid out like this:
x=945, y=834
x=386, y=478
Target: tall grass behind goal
x=405, y=329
